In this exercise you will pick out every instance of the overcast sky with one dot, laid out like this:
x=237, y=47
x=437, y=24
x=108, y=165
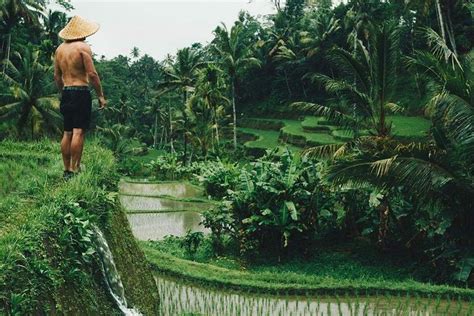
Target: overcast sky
x=159, y=27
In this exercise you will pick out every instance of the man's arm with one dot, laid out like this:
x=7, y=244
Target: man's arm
x=58, y=75
x=92, y=74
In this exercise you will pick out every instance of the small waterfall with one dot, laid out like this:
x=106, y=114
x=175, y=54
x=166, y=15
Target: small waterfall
x=111, y=275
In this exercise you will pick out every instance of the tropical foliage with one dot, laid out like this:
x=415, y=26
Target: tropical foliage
x=353, y=65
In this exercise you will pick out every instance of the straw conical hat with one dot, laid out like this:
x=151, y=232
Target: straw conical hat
x=78, y=28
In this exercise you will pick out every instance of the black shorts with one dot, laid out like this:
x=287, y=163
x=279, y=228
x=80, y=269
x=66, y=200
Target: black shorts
x=76, y=106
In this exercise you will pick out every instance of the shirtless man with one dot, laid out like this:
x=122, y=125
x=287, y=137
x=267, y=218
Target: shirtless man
x=73, y=71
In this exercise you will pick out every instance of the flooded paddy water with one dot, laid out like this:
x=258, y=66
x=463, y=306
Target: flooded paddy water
x=178, y=298
x=156, y=210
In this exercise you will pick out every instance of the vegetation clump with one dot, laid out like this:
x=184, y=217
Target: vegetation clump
x=48, y=257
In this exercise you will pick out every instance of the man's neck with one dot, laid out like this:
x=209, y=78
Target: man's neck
x=76, y=40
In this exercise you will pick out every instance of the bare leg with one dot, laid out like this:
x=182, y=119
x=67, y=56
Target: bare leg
x=77, y=144
x=66, y=150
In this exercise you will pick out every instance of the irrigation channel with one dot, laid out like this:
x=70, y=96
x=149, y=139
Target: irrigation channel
x=172, y=208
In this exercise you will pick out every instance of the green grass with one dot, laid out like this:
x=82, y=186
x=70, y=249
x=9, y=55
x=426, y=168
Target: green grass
x=45, y=232
x=293, y=127
x=409, y=126
x=328, y=272
x=152, y=154
x=314, y=131
x=266, y=139
x=315, y=123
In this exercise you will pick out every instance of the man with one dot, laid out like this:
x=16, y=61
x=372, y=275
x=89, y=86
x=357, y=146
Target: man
x=73, y=71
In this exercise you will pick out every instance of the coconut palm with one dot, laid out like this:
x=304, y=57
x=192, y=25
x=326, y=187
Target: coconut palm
x=135, y=52
x=365, y=84
x=28, y=97
x=234, y=55
x=438, y=172
x=53, y=22
x=180, y=75
x=13, y=11
x=207, y=107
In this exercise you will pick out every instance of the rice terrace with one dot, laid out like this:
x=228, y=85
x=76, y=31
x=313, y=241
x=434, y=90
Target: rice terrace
x=262, y=157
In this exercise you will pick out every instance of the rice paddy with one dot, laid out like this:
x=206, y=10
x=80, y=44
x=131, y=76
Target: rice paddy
x=178, y=298
x=316, y=131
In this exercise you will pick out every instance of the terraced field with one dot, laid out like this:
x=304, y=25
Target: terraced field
x=316, y=131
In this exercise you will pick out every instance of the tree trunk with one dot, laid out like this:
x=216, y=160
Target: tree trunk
x=162, y=137
x=217, y=135
x=440, y=20
x=185, y=117
x=171, y=126
x=450, y=30
x=155, y=134
x=287, y=83
x=9, y=39
x=384, y=211
x=304, y=90
x=217, y=129
x=234, y=113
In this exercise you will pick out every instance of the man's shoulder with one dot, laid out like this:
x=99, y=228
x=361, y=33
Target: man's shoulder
x=59, y=48
x=83, y=47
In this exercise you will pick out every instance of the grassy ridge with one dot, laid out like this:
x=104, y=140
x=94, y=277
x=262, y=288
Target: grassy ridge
x=315, y=131
x=329, y=273
x=47, y=259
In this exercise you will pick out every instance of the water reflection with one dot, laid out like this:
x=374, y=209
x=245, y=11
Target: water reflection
x=154, y=226
x=174, y=189
x=153, y=204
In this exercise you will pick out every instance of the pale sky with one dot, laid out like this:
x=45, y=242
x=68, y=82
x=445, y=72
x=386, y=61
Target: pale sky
x=159, y=27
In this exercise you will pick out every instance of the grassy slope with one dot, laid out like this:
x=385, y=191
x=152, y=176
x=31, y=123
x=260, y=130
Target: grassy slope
x=293, y=127
x=41, y=270
x=317, y=132
x=328, y=272
x=409, y=126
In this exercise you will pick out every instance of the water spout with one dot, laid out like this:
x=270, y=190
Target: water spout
x=111, y=275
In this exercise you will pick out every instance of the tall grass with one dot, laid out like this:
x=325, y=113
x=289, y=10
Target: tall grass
x=45, y=242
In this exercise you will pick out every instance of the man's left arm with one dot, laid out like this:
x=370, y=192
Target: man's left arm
x=58, y=75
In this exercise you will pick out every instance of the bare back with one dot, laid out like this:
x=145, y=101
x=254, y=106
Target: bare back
x=69, y=60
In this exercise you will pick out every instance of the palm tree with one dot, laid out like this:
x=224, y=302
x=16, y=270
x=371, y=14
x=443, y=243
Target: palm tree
x=438, y=172
x=118, y=139
x=29, y=100
x=207, y=107
x=53, y=22
x=233, y=56
x=365, y=100
x=13, y=11
x=181, y=76
x=135, y=53
x=444, y=10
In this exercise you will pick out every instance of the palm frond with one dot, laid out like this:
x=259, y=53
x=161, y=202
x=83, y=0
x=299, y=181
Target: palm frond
x=329, y=113
x=344, y=58
x=440, y=48
x=325, y=151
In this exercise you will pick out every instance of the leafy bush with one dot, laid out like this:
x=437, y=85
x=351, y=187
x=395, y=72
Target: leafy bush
x=218, y=177
x=170, y=167
x=191, y=242
x=276, y=204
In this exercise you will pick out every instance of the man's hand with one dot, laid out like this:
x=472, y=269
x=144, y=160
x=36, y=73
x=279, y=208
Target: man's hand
x=102, y=103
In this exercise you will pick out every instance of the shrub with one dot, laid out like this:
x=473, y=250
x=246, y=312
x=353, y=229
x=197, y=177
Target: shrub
x=191, y=243
x=218, y=177
x=274, y=207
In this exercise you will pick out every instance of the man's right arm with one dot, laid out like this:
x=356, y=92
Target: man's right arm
x=92, y=74
x=58, y=75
